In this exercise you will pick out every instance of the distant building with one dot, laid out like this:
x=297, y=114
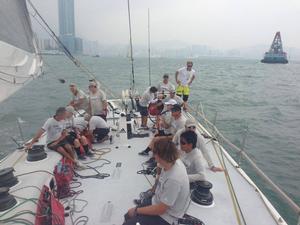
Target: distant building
x=67, y=26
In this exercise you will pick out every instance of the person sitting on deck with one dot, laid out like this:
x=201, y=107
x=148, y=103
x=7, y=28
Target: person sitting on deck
x=171, y=196
x=56, y=135
x=164, y=118
x=148, y=96
x=177, y=122
x=97, y=101
x=165, y=86
x=191, y=125
x=79, y=98
x=74, y=137
x=192, y=157
x=175, y=97
x=98, y=128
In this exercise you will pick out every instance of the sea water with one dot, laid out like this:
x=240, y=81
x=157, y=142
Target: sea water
x=242, y=94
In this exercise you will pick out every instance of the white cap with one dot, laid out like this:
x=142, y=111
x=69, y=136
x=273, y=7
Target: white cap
x=70, y=109
x=171, y=102
x=190, y=122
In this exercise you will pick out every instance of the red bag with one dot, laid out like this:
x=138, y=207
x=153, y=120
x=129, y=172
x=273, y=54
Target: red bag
x=58, y=212
x=63, y=174
x=49, y=209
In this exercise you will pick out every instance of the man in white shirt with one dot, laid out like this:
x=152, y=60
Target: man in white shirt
x=184, y=78
x=147, y=97
x=74, y=137
x=79, y=98
x=97, y=101
x=192, y=158
x=165, y=86
x=177, y=122
x=190, y=125
x=98, y=128
x=175, y=97
x=56, y=135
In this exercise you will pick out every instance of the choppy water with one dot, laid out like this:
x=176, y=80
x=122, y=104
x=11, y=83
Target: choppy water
x=244, y=93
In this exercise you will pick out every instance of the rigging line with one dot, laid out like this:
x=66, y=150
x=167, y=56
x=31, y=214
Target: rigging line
x=229, y=179
x=237, y=208
x=14, y=82
x=149, y=53
x=64, y=48
x=15, y=76
x=131, y=51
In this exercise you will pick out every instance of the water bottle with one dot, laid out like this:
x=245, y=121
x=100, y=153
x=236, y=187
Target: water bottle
x=106, y=212
x=59, y=167
x=116, y=173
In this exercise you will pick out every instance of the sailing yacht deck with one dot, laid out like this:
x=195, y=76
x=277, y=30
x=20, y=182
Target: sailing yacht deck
x=124, y=185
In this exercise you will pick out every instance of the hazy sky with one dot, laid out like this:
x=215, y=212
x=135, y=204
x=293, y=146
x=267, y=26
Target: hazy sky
x=218, y=23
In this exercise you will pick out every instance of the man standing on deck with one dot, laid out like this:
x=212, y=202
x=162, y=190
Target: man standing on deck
x=79, y=98
x=97, y=101
x=184, y=78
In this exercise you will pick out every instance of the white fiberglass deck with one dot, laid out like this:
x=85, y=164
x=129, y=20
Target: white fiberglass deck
x=125, y=185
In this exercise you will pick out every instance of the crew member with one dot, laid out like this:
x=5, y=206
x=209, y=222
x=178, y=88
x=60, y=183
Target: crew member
x=171, y=196
x=184, y=78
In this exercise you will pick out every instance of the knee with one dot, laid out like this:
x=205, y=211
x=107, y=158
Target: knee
x=76, y=143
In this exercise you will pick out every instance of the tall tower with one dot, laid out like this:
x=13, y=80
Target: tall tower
x=67, y=23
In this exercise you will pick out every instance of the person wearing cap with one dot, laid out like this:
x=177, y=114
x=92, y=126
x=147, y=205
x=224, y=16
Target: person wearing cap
x=97, y=101
x=165, y=118
x=184, y=78
x=177, y=122
x=148, y=96
x=79, y=98
x=165, y=86
x=192, y=158
x=74, y=137
x=191, y=125
x=173, y=96
x=98, y=128
x=56, y=135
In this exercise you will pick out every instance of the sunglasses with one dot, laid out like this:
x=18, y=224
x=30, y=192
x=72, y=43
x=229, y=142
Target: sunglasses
x=192, y=127
x=92, y=86
x=183, y=143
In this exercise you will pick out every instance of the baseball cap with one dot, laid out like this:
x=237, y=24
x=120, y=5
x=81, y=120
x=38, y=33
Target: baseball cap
x=171, y=102
x=70, y=109
x=176, y=108
x=190, y=122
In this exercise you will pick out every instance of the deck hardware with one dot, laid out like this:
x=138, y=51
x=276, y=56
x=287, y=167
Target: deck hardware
x=201, y=193
x=7, y=178
x=7, y=201
x=37, y=153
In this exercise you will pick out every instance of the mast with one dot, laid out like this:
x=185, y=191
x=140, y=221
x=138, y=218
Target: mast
x=131, y=51
x=149, y=55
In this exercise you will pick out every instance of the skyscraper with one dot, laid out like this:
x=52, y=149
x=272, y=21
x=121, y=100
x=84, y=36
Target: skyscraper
x=67, y=23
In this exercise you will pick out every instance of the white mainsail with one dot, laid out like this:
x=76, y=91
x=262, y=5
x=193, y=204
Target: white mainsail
x=19, y=58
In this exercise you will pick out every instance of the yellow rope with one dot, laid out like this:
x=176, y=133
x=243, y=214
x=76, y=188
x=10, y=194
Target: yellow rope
x=237, y=210
x=229, y=184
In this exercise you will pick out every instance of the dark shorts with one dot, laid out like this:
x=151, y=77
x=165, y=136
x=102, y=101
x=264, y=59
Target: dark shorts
x=102, y=116
x=161, y=133
x=147, y=220
x=184, y=97
x=143, y=110
x=62, y=143
x=100, y=133
x=71, y=138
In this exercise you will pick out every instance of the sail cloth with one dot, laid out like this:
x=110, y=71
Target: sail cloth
x=19, y=59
